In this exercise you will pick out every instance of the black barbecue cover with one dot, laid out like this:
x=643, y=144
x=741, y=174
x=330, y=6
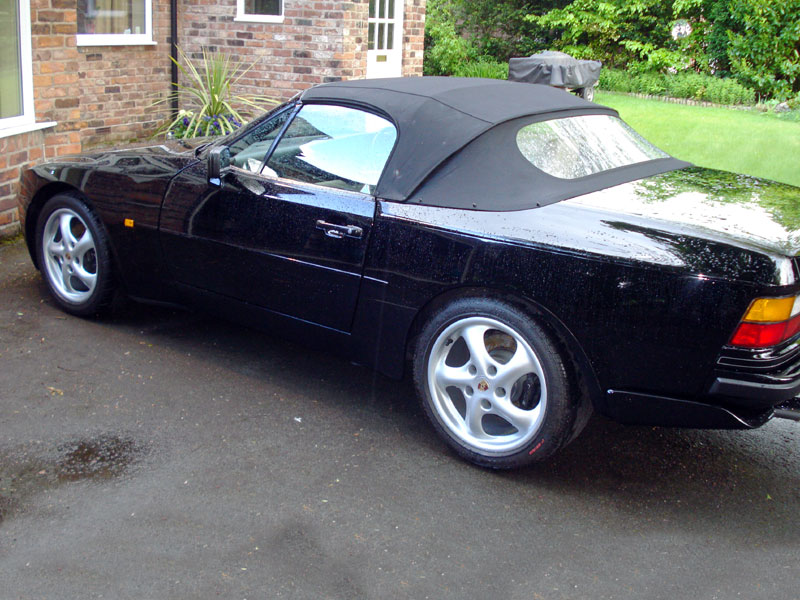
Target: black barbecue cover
x=554, y=68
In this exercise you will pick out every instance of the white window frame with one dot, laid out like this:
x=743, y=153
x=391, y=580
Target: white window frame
x=248, y=18
x=123, y=39
x=27, y=118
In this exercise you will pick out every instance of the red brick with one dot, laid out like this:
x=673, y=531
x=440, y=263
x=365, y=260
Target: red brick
x=7, y=203
x=48, y=41
x=35, y=153
x=9, y=175
x=51, y=16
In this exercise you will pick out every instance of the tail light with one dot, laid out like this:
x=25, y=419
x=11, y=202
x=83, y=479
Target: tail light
x=768, y=322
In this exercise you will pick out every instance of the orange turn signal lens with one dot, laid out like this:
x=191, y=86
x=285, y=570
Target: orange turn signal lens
x=771, y=310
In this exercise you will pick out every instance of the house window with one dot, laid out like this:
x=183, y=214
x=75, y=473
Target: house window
x=260, y=11
x=16, y=81
x=115, y=22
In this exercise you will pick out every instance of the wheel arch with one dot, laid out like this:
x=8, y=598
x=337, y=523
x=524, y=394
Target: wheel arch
x=39, y=199
x=579, y=362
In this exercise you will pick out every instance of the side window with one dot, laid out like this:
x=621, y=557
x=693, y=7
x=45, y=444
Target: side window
x=250, y=151
x=336, y=147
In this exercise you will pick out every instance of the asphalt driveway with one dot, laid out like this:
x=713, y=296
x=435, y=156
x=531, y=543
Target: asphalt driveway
x=157, y=454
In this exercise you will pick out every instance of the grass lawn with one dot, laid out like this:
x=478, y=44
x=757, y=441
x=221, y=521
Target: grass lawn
x=748, y=142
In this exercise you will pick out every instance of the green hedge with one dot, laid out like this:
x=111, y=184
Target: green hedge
x=679, y=85
x=482, y=68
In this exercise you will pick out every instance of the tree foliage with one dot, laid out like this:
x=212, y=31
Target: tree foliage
x=755, y=41
x=764, y=47
x=445, y=47
x=459, y=32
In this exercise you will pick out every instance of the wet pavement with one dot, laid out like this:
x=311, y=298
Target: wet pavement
x=157, y=454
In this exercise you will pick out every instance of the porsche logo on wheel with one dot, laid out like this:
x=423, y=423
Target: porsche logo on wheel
x=483, y=386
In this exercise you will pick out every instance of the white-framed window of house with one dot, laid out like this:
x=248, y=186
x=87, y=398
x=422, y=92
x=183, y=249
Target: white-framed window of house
x=115, y=22
x=259, y=11
x=16, y=77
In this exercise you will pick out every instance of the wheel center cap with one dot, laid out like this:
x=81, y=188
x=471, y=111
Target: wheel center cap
x=69, y=256
x=482, y=385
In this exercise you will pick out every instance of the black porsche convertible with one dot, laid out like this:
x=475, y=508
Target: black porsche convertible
x=527, y=254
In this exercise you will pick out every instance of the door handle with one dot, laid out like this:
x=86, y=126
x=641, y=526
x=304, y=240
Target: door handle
x=340, y=231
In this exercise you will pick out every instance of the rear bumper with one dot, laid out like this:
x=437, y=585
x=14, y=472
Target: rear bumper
x=757, y=379
x=635, y=408
x=760, y=393
x=747, y=389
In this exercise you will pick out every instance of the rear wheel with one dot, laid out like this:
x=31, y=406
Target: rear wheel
x=493, y=384
x=73, y=255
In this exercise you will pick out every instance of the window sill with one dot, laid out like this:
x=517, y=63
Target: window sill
x=114, y=39
x=20, y=129
x=259, y=18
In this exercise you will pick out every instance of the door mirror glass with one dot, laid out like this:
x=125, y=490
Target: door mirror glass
x=334, y=146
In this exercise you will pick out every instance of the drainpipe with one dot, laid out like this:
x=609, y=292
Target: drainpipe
x=173, y=52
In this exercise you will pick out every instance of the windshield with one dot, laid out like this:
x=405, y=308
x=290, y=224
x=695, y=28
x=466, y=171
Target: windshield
x=584, y=145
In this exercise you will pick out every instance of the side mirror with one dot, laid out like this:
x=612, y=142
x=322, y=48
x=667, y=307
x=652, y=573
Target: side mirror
x=219, y=159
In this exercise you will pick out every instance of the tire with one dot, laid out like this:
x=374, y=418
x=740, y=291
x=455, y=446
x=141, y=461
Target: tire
x=73, y=254
x=587, y=93
x=494, y=385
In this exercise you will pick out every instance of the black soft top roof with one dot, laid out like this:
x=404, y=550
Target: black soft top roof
x=437, y=116
x=467, y=127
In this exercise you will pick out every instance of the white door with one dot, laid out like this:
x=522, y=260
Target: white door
x=385, y=40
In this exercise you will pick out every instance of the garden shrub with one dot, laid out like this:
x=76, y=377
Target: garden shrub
x=483, y=68
x=615, y=81
x=445, y=49
x=679, y=85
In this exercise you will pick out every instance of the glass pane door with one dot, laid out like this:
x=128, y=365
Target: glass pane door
x=384, y=43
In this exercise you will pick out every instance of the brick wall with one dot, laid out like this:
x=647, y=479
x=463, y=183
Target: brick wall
x=354, y=42
x=96, y=94
x=120, y=83
x=16, y=152
x=314, y=44
x=413, y=37
x=55, y=74
x=319, y=41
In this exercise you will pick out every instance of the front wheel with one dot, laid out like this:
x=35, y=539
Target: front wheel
x=494, y=384
x=73, y=255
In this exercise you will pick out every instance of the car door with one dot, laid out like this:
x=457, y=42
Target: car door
x=288, y=225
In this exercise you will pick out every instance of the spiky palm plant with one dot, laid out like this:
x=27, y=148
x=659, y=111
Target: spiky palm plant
x=206, y=96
